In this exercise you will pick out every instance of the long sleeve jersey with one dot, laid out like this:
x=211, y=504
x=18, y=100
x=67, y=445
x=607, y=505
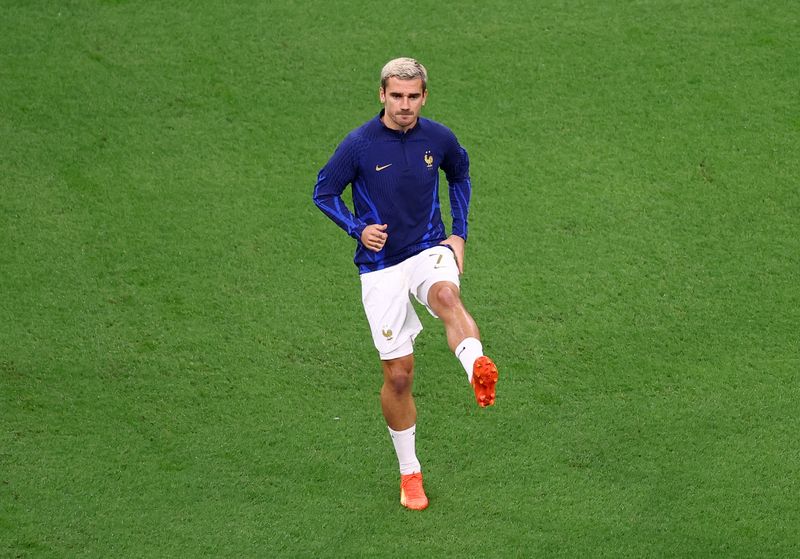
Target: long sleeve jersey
x=395, y=180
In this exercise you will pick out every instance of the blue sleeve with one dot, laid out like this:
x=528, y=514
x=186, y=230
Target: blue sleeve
x=333, y=178
x=456, y=168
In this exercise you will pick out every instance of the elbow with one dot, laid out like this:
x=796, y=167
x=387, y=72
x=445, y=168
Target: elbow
x=318, y=198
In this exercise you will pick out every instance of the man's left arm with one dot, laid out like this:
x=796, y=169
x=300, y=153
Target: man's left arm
x=456, y=168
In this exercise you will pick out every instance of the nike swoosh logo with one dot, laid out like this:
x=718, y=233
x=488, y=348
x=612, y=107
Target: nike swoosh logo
x=382, y=167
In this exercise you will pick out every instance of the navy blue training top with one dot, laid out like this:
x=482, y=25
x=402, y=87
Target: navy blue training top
x=395, y=180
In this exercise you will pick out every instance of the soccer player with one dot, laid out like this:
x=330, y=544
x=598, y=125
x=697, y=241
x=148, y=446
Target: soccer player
x=392, y=162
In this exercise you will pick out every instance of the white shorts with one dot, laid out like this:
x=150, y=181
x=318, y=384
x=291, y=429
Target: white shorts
x=386, y=295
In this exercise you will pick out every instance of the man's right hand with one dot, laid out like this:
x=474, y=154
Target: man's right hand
x=374, y=237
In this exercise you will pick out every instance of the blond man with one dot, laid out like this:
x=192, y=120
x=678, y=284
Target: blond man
x=392, y=164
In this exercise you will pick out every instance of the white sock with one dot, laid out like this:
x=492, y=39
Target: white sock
x=467, y=352
x=404, y=446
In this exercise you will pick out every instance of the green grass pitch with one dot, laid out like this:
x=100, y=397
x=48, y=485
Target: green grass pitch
x=185, y=368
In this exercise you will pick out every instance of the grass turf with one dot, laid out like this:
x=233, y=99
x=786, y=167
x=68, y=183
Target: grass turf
x=185, y=369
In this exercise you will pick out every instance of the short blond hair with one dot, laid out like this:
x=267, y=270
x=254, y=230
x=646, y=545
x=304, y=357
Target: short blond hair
x=404, y=69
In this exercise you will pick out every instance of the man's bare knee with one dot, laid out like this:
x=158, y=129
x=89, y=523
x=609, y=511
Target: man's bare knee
x=443, y=296
x=398, y=374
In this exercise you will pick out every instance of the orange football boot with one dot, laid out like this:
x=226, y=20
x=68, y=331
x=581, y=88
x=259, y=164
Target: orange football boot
x=412, y=495
x=484, y=379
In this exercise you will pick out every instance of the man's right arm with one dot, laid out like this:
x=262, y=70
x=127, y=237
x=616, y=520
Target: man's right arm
x=332, y=179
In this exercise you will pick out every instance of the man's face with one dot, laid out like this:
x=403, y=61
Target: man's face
x=402, y=101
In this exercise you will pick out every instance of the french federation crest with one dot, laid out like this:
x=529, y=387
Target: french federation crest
x=428, y=159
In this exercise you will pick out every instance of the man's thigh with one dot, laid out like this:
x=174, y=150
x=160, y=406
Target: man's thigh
x=392, y=319
x=429, y=267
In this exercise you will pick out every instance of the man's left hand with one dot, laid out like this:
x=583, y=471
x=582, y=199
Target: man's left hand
x=457, y=244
